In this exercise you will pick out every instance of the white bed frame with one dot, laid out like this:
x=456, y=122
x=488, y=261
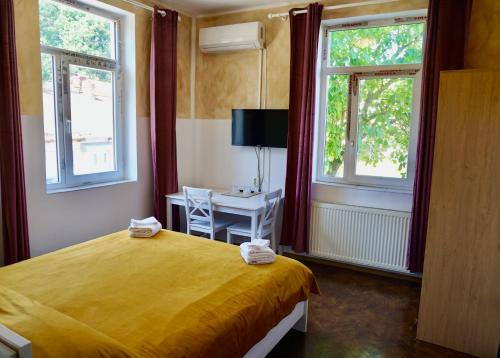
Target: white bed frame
x=296, y=320
x=13, y=345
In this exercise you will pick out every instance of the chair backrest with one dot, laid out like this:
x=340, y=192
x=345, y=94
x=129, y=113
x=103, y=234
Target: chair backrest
x=267, y=220
x=198, y=204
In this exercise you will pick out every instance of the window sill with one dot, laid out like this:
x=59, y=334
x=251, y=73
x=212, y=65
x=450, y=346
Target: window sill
x=365, y=187
x=89, y=186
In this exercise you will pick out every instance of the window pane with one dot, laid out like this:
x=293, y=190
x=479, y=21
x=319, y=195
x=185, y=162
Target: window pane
x=71, y=29
x=387, y=45
x=49, y=120
x=384, y=120
x=92, y=120
x=336, y=125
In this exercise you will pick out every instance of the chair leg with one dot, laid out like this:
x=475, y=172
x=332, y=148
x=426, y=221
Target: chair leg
x=273, y=241
x=212, y=235
x=229, y=238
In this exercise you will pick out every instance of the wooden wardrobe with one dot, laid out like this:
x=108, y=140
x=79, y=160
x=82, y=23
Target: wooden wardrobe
x=460, y=300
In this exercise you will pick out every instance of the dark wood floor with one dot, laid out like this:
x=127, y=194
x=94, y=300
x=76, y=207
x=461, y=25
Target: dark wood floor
x=360, y=315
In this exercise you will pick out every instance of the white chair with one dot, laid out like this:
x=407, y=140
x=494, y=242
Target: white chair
x=267, y=221
x=199, y=212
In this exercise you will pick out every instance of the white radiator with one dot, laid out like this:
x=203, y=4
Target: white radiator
x=363, y=236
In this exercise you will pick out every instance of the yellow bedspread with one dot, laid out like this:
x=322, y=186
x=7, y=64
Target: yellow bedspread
x=171, y=296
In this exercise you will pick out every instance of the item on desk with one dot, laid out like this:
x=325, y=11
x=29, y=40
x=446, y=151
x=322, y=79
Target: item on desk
x=145, y=228
x=240, y=193
x=257, y=252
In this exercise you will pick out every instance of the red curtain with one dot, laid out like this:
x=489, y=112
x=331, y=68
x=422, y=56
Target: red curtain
x=163, y=94
x=447, y=32
x=14, y=214
x=304, y=30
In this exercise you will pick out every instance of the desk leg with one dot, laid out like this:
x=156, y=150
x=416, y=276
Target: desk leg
x=253, y=226
x=169, y=214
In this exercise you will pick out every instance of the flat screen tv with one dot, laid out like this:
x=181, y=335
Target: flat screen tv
x=260, y=127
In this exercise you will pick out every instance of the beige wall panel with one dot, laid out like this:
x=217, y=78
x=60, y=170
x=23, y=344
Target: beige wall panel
x=28, y=57
x=184, y=68
x=278, y=64
x=229, y=81
x=142, y=58
x=226, y=81
x=484, y=36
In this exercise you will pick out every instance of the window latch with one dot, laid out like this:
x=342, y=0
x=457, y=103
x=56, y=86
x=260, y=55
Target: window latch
x=68, y=126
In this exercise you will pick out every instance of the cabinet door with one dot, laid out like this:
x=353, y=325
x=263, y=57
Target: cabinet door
x=460, y=301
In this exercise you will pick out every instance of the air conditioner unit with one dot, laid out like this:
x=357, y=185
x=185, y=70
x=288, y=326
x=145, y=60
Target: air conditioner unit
x=237, y=37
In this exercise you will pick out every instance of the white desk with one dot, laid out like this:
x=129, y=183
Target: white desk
x=251, y=207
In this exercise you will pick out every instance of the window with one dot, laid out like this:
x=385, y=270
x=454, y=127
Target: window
x=369, y=98
x=81, y=94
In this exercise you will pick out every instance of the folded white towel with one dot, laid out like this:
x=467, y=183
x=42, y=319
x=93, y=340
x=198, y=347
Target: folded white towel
x=248, y=249
x=148, y=221
x=144, y=230
x=258, y=261
x=262, y=255
x=259, y=244
x=255, y=246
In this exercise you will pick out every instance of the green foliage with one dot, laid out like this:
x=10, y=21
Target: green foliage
x=71, y=29
x=385, y=103
x=388, y=45
x=384, y=120
x=46, y=67
x=336, y=123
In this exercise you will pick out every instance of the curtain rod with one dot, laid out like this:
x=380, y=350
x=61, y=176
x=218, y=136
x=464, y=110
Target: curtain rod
x=146, y=7
x=284, y=15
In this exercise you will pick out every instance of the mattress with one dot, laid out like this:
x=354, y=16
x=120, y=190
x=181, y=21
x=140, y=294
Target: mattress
x=172, y=295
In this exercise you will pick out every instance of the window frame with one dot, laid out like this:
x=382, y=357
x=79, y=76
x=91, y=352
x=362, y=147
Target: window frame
x=355, y=74
x=62, y=59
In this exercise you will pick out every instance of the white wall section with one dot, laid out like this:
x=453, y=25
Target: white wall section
x=206, y=158
x=214, y=162
x=62, y=219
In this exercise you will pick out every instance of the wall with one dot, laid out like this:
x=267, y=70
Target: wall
x=62, y=219
x=484, y=37
x=226, y=81
x=1, y=235
x=206, y=157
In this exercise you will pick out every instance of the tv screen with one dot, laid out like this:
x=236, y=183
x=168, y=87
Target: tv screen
x=260, y=127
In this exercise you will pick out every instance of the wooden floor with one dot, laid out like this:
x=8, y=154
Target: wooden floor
x=360, y=315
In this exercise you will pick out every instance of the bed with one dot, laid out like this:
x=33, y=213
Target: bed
x=172, y=295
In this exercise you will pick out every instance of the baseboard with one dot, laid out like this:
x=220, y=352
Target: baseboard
x=400, y=276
